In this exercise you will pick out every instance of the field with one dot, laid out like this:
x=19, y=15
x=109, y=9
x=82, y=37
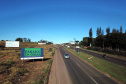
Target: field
x=15, y=71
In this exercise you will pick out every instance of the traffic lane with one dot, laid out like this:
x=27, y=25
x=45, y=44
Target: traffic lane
x=110, y=59
x=59, y=73
x=93, y=74
x=77, y=75
x=96, y=75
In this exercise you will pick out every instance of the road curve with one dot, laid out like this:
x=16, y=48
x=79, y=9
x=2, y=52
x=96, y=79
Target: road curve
x=82, y=73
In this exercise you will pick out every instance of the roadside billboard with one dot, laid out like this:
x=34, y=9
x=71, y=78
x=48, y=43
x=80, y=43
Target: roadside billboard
x=77, y=47
x=31, y=53
x=12, y=44
x=72, y=43
x=42, y=43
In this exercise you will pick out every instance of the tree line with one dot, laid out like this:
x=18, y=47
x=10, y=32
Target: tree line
x=45, y=41
x=112, y=40
x=29, y=40
x=23, y=39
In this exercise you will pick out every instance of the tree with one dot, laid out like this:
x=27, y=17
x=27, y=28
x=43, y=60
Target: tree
x=117, y=31
x=25, y=39
x=108, y=30
x=102, y=33
x=114, y=30
x=76, y=41
x=44, y=41
x=121, y=29
x=81, y=43
x=49, y=43
x=19, y=39
x=90, y=36
x=86, y=41
x=28, y=40
x=98, y=32
x=99, y=41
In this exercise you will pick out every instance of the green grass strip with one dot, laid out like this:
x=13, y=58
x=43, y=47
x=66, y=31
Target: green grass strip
x=115, y=71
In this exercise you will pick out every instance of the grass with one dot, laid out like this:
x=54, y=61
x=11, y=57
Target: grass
x=115, y=71
x=111, y=55
x=53, y=52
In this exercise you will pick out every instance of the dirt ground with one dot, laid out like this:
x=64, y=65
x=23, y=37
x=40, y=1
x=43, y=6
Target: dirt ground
x=15, y=71
x=35, y=68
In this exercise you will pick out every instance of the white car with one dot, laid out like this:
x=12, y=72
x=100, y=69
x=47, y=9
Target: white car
x=66, y=56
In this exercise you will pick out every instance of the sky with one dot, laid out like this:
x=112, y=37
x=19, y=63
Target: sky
x=59, y=21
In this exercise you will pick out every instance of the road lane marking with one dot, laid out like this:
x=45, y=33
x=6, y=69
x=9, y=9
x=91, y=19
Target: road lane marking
x=78, y=64
x=86, y=72
x=93, y=80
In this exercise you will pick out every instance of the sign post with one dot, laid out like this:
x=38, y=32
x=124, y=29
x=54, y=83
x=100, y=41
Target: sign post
x=50, y=49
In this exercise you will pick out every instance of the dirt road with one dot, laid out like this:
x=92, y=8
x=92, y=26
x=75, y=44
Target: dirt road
x=59, y=73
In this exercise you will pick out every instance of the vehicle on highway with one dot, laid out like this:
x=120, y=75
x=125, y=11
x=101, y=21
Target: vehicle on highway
x=104, y=55
x=66, y=56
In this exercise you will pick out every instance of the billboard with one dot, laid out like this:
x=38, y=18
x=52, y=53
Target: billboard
x=77, y=47
x=72, y=43
x=31, y=53
x=12, y=44
x=41, y=43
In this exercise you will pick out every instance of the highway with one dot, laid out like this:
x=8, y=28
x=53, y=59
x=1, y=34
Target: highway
x=108, y=58
x=81, y=72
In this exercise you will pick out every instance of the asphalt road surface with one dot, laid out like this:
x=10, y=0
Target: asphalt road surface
x=59, y=73
x=110, y=59
x=81, y=72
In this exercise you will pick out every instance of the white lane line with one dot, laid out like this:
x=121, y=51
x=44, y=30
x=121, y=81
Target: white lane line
x=86, y=73
x=78, y=64
x=93, y=80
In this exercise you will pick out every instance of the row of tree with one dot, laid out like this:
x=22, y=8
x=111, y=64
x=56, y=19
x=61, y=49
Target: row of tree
x=23, y=39
x=45, y=41
x=112, y=40
x=29, y=40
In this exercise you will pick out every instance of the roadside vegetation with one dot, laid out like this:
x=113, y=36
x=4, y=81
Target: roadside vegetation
x=15, y=71
x=113, y=42
x=115, y=71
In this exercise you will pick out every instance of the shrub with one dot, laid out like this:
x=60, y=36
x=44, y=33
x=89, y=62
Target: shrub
x=21, y=71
